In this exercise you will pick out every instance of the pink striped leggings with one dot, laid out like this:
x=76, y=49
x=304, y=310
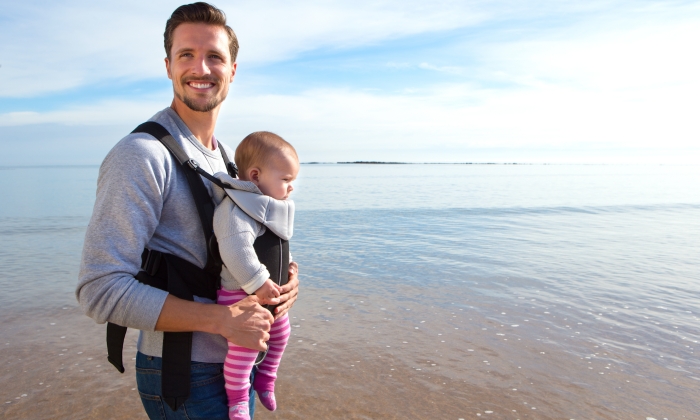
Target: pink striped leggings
x=239, y=360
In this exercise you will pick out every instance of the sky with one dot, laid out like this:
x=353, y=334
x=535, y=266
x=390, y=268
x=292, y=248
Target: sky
x=397, y=80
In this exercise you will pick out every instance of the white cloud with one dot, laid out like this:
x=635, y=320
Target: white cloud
x=589, y=56
x=275, y=31
x=622, y=87
x=337, y=125
x=107, y=112
x=344, y=121
x=53, y=46
x=443, y=69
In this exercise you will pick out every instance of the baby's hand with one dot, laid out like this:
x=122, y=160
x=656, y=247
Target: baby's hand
x=268, y=293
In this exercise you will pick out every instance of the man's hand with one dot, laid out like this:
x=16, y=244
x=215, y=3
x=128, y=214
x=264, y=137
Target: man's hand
x=288, y=292
x=268, y=293
x=245, y=323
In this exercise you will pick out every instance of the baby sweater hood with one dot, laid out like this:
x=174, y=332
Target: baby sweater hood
x=276, y=215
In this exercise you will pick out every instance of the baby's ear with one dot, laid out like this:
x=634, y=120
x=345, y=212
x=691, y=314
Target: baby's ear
x=254, y=174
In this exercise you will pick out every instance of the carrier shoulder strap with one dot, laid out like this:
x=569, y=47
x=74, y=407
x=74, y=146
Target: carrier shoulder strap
x=202, y=199
x=177, y=347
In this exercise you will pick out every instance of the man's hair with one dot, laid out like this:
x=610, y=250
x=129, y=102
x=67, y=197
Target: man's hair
x=259, y=147
x=199, y=12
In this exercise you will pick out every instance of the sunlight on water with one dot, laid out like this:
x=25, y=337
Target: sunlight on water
x=326, y=187
x=582, y=276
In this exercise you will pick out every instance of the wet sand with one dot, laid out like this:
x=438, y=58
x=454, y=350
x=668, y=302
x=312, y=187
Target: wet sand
x=55, y=366
x=360, y=357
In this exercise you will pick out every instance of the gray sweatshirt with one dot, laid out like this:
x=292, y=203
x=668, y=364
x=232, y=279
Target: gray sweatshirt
x=143, y=200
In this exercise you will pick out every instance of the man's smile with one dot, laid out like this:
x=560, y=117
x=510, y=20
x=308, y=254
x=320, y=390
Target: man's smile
x=201, y=85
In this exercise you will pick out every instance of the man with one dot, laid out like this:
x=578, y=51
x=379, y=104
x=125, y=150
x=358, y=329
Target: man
x=144, y=201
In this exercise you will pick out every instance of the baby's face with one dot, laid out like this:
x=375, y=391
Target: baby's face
x=276, y=177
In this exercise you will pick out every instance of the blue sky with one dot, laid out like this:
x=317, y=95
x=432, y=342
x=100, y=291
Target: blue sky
x=440, y=81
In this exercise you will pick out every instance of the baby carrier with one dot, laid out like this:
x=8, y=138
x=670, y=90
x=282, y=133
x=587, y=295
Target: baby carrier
x=184, y=279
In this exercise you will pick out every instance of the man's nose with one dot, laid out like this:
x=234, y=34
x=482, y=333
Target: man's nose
x=200, y=66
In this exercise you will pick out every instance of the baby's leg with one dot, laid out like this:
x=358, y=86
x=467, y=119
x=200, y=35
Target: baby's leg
x=239, y=360
x=264, y=382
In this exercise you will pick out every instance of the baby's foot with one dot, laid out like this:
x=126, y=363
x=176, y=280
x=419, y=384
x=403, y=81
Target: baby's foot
x=267, y=399
x=239, y=411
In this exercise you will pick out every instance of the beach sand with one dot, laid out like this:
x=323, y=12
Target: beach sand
x=56, y=367
x=350, y=356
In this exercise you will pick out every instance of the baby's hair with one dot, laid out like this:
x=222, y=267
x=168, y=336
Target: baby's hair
x=257, y=149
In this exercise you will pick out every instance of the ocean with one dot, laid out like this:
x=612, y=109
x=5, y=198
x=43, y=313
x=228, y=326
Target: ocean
x=427, y=291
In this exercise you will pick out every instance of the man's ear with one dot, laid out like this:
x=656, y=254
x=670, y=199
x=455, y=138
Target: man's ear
x=233, y=71
x=167, y=68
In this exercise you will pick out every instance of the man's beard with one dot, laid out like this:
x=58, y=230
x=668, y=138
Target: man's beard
x=192, y=104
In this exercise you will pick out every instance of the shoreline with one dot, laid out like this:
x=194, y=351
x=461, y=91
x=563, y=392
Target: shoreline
x=351, y=355
x=76, y=381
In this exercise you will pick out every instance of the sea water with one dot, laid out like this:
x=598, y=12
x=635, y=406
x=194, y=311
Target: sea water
x=572, y=290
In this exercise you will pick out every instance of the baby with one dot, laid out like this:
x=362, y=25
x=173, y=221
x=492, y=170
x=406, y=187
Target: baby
x=270, y=165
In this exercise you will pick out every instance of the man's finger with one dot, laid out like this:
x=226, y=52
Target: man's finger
x=292, y=284
x=251, y=316
x=267, y=317
x=252, y=303
x=259, y=344
x=281, y=310
x=271, y=301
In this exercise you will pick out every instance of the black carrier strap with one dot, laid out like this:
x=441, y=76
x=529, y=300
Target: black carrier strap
x=177, y=276
x=202, y=199
x=273, y=252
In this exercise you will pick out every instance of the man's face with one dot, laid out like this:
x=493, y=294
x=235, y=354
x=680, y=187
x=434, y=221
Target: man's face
x=200, y=65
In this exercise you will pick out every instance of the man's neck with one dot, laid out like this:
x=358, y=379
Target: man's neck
x=201, y=124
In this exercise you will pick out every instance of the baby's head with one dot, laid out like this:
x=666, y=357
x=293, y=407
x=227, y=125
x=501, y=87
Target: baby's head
x=268, y=161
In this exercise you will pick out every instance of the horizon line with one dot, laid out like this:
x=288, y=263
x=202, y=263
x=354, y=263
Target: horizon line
x=373, y=162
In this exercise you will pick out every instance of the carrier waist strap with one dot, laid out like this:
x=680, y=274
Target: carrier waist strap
x=184, y=280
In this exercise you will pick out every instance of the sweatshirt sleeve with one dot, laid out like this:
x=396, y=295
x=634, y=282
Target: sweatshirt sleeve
x=128, y=205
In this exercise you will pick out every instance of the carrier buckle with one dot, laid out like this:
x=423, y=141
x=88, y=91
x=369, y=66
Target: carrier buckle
x=193, y=164
x=152, y=263
x=232, y=169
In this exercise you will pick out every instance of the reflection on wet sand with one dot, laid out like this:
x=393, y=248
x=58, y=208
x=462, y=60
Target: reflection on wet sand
x=358, y=357
x=55, y=367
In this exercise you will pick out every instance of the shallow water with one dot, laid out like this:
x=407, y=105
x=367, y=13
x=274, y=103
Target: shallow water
x=429, y=291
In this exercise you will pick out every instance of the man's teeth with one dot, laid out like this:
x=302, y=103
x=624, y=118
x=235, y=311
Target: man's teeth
x=201, y=85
